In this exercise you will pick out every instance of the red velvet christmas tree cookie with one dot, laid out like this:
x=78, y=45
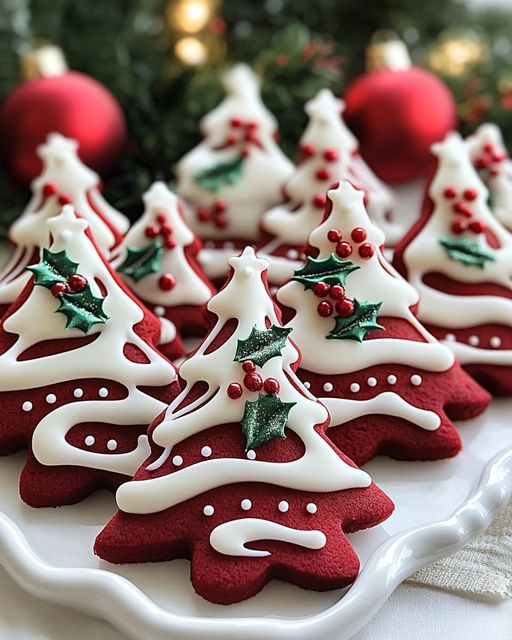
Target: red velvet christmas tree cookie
x=235, y=174
x=80, y=377
x=64, y=179
x=157, y=260
x=242, y=478
x=458, y=256
x=389, y=386
x=328, y=152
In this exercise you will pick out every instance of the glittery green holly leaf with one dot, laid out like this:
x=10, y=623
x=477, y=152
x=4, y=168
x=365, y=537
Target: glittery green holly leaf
x=83, y=310
x=331, y=270
x=215, y=177
x=265, y=419
x=261, y=346
x=467, y=252
x=54, y=267
x=355, y=327
x=140, y=262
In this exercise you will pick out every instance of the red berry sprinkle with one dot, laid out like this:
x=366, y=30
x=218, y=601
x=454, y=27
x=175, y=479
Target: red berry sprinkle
x=477, y=226
x=161, y=218
x=220, y=221
x=323, y=173
x=359, y=234
x=253, y=381
x=330, y=155
x=252, y=124
x=324, y=309
x=460, y=207
x=49, y=189
x=498, y=157
x=366, y=251
x=170, y=243
x=203, y=215
x=77, y=282
x=165, y=229
x=231, y=140
x=488, y=147
x=251, y=136
x=319, y=201
x=248, y=366
x=58, y=288
x=459, y=226
x=449, y=193
x=321, y=289
x=64, y=199
x=337, y=292
x=167, y=282
x=234, y=391
x=152, y=231
x=235, y=122
x=308, y=149
x=470, y=194
x=343, y=249
x=482, y=163
x=271, y=386
x=345, y=308
x=219, y=206
x=334, y=235
x=245, y=153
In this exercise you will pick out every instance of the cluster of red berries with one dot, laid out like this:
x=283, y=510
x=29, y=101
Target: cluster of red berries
x=463, y=209
x=252, y=382
x=74, y=284
x=344, y=248
x=216, y=214
x=322, y=173
x=162, y=229
x=50, y=189
x=242, y=132
x=489, y=158
x=344, y=306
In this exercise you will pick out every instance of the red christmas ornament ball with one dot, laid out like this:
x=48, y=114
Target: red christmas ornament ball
x=72, y=104
x=397, y=114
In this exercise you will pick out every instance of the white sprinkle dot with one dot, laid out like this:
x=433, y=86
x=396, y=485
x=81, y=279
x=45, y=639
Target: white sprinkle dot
x=311, y=507
x=246, y=504
x=474, y=341
x=450, y=337
x=112, y=445
x=90, y=440
x=416, y=380
x=103, y=392
x=391, y=379
x=328, y=387
x=251, y=454
x=293, y=254
x=78, y=393
x=354, y=387
x=159, y=311
x=177, y=461
x=51, y=398
x=307, y=385
x=495, y=342
x=283, y=506
x=27, y=406
x=206, y=451
x=372, y=382
x=208, y=510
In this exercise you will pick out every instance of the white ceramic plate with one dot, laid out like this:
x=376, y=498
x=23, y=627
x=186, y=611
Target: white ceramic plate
x=439, y=507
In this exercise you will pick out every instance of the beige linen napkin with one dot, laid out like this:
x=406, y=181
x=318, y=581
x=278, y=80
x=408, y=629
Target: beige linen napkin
x=482, y=569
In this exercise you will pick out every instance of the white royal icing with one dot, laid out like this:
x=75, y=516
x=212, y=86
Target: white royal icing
x=36, y=321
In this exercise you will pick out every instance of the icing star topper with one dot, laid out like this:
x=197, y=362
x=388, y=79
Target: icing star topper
x=248, y=263
x=66, y=225
x=325, y=105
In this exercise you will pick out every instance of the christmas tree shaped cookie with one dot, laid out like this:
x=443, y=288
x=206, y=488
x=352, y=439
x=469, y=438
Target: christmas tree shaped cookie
x=80, y=377
x=157, y=260
x=458, y=256
x=389, y=385
x=493, y=164
x=64, y=179
x=235, y=174
x=328, y=152
x=242, y=478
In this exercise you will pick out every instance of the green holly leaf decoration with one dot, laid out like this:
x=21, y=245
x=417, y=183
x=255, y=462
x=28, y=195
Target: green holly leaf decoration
x=356, y=326
x=331, y=270
x=265, y=419
x=261, y=346
x=215, y=177
x=140, y=262
x=54, y=267
x=467, y=252
x=83, y=309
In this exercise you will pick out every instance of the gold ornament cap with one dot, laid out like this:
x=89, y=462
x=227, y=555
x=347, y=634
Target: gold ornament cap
x=387, y=51
x=43, y=61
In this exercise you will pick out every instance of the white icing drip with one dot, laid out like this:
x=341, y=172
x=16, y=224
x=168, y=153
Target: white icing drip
x=466, y=354
x=388, y=403
x=168, y=331
x=49, y=439
x=214, y=408
x=231, y=537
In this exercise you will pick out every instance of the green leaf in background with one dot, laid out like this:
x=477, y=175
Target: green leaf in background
x=218, y=175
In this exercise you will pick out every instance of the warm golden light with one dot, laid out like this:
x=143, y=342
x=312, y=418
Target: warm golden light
x=190, y=15
x=191, y=51
x=455, y=56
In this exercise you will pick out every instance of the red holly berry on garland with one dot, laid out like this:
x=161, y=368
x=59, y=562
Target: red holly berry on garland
x=232, y=466
x=389, y=386
x=81, y=374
